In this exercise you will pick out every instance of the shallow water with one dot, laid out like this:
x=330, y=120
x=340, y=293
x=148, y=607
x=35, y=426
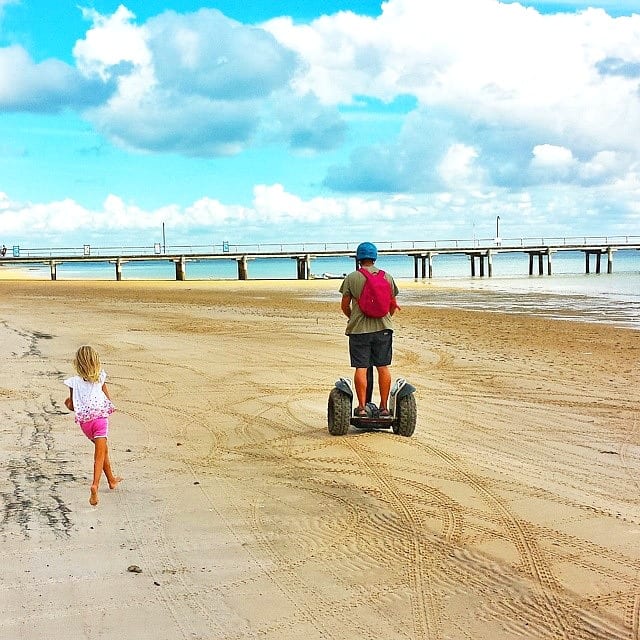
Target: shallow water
x=569, y=293
x=605, y=308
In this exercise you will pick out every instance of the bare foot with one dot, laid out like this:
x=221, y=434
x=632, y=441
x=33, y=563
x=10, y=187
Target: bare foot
x=115, y=482
x=93, y=499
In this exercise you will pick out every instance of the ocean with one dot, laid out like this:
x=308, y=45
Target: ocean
x=569, y=293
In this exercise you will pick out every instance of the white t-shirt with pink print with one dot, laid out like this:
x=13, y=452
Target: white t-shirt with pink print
x=89, y=400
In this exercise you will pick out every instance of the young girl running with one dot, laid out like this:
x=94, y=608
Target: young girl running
x=89, y=398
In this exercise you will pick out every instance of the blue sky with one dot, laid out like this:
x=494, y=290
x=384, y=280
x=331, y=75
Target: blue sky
x=319, y=121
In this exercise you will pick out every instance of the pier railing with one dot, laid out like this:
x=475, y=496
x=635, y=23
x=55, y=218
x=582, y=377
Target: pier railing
x=422, y=252
x=157, y=249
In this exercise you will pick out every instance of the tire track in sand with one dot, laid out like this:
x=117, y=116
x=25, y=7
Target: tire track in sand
x=425, y=611
x=531, y=555
x=624, y=459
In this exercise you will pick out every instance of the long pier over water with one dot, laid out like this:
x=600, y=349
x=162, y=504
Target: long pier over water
x=424, y=253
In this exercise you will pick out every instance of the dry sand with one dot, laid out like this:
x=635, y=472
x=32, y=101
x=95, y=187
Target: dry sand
x=513, y=512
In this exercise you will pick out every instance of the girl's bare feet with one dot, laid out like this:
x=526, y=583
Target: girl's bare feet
x=93, y=498
x=115, y=482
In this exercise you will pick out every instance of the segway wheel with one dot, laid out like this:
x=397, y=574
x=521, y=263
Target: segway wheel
x=406, y=416
x=338, y=412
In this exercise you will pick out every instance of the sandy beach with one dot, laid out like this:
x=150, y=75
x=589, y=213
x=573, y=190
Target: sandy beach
x=513, y=511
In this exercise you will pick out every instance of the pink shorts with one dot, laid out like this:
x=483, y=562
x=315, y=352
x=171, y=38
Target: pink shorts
x=96, y=428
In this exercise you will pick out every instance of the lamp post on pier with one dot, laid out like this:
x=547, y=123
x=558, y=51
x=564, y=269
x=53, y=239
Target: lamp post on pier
x=497, y=240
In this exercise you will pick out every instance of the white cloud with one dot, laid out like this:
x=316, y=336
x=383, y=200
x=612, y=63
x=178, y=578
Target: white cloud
x=112, y=40
x=458, y=167
x=549, y=155
x=551, y=163
x=48, y=86
x=199, y=84
x=210, y=212
x=278, y=215
x=602, y=166
x=503, y=78
x=273, y=204
x=480, y=56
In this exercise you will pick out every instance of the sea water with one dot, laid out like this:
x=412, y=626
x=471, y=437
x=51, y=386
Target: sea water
x=569, y=293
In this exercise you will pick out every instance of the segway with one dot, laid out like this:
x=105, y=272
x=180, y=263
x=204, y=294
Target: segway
x=402, y=406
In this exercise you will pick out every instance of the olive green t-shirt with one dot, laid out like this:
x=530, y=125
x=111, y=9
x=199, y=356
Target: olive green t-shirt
x=352, y=285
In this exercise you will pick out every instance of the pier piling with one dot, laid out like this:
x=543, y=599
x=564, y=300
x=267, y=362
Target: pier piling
x=481, y=263
x=540, y=255
x=181, y=269
x=243, y=271
x=303, y=264
x=598, y=253
x=423, y=265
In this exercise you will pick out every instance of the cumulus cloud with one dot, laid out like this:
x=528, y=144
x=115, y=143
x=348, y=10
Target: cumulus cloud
x=424, y=156
x=303, y=122
x=113, y=41
x=552, y=163
x=501, y=78
x=282, y=216
x=211, y=55
x=169, y=123
x=458, y=167
x=603, y=166
x=45, y=87
x=200, y=84
x=273, y=207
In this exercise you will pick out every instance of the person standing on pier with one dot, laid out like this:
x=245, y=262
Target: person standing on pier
x=370, y=336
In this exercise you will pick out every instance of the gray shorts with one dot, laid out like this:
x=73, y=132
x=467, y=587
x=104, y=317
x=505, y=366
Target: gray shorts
x=371, y=349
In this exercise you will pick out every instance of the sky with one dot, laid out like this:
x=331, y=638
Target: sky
x=332, y=121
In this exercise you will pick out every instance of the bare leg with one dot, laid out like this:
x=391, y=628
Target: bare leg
x=384, y=382
x=99, y=453
x=360, y=380
x=106, y=468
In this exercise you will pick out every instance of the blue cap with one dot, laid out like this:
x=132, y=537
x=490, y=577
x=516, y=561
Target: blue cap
x=366, y=251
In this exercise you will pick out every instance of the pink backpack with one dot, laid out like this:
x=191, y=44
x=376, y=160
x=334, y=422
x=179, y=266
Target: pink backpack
x=375, y=299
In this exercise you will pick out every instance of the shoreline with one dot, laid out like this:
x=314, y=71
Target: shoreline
x=423, y=294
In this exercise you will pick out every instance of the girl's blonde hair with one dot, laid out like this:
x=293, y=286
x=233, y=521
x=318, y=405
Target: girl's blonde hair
x=87, y=363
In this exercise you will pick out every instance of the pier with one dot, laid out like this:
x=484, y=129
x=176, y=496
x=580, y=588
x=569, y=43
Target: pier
x=480, y=254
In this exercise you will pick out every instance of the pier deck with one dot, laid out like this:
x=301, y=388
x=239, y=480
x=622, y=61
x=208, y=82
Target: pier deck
x=423, y=254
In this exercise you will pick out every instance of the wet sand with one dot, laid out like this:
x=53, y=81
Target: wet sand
x=513, y=511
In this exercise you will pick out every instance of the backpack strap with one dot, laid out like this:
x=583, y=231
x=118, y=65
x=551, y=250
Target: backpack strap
x=368, y=275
